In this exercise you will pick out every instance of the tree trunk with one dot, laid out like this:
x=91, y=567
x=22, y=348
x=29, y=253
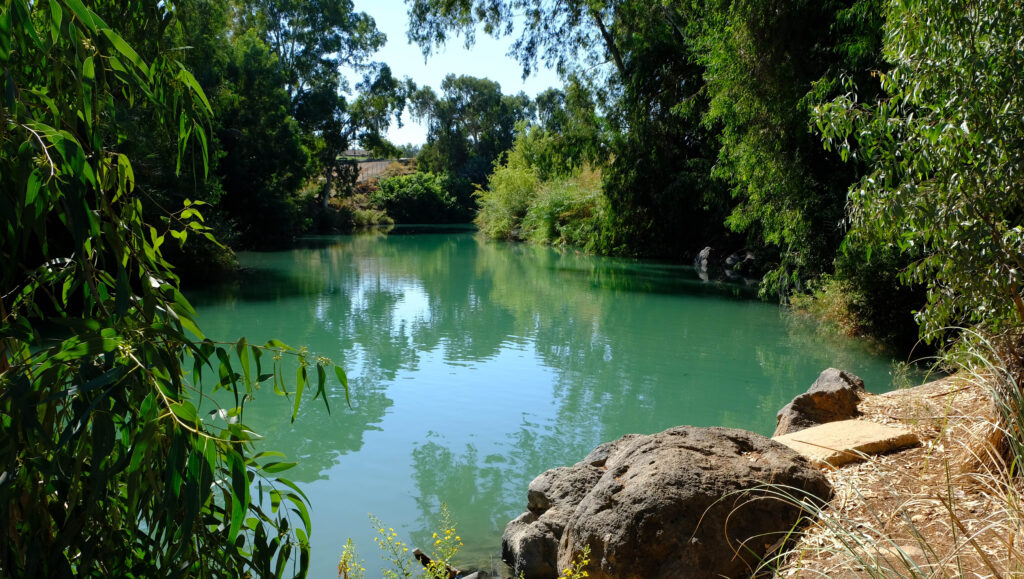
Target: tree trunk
x=328, y=182
x=610, y=44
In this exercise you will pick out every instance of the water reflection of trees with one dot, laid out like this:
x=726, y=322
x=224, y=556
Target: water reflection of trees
x=632, y=346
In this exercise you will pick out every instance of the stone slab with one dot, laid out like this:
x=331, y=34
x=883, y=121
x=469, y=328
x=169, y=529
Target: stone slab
x=844, y=441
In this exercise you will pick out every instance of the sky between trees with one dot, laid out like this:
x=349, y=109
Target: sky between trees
x=487, y=59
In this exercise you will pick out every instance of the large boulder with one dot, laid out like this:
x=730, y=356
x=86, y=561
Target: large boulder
x=686, y=502
x=833, y=396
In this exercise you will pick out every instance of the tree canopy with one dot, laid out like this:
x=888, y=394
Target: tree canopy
x=944, y=148
x=115, y=460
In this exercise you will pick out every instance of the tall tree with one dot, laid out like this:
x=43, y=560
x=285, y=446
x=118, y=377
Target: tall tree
x=638, y=61
x=765, y=65
x=263, y=162
x=315, y=43
x=469, y=125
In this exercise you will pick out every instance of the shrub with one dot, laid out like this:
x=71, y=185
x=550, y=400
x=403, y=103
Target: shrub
x=512, y=190
x=569, y=211
x=417, y=198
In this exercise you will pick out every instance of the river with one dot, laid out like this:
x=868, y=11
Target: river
x=475, y=365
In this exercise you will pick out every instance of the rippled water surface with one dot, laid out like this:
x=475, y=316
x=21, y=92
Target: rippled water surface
x=476, y=365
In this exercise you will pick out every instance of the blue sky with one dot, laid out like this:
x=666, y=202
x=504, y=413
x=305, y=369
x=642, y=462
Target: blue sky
x=487, y=59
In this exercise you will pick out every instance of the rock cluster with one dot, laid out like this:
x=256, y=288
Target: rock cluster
x=686, y=502
x=739, y=265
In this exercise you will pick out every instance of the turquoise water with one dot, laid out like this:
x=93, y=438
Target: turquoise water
x=476, y=365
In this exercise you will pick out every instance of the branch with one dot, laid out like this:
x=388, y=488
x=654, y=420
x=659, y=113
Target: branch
x=610, y=43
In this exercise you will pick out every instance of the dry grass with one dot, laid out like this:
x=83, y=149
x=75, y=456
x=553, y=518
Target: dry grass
x=948, y=508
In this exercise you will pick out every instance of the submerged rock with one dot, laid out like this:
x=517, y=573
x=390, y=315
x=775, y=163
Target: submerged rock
x=834, y=396
x=686, y=502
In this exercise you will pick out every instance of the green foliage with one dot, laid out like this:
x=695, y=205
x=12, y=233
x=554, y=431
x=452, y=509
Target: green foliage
x=469, y=125
x=765, y=64
x=263, y=161
x=114, y=460
x=419, y=198
x=313, y=42
x=570, y=211
x=528, y=203
x=944, y=148
x=513, y=189
x=835, y=303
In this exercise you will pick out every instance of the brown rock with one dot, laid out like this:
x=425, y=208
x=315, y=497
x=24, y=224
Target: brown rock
x=833, y=396
x=681, y=503
x=846, y=441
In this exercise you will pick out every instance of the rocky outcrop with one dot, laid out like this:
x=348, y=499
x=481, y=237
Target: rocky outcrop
x=833, y=396
x=686, y=502
x=744, y=263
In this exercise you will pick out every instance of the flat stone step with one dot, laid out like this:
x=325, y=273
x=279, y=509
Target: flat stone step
x=836, y=443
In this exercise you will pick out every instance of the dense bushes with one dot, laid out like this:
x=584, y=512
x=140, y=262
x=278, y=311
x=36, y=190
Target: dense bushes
x=562, y=209
x=421, y=198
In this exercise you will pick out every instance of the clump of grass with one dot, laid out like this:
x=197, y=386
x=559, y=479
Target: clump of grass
x=997, y=362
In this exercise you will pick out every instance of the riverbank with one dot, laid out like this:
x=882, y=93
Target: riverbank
x=946, y=508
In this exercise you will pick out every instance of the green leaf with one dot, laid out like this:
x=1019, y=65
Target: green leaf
x=344, y=382
x=89, y=69
x=56, y=16
x=242, y=351
x=32, y=188
x=276, y=467
x=86, y=16
x=190, y=81
x=185, y=411
x=125, y=49
x=239, y=495
x=300, y=385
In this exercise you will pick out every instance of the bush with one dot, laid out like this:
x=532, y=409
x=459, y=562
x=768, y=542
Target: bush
x=562, y=210
x=418, y=198
x=569, y=211
x=513, y=189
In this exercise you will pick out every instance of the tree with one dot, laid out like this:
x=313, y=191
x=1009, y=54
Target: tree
x=945, y=148
x=765, y=66
x=314, y=41
x=638, y=60
x=263, y=161
x=110, y=463
x=469, y=125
